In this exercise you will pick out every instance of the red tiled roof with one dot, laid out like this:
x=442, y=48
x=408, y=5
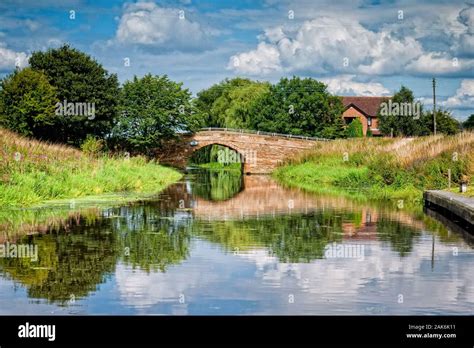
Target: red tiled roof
x=368, y=105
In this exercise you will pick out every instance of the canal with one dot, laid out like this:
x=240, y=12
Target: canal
x=222, y=243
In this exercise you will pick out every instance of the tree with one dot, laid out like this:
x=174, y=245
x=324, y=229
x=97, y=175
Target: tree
x=401, y=114
x=298, y=106
x=79, y=79
x=355, y=129
x=469, y=123
x=232, y=108
x=203, y=104
x=445, y=123
x=228, y=103
x=27, y=103
x=152, y=109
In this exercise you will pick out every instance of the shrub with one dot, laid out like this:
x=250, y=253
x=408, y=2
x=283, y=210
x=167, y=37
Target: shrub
x=355, y=129
x=386, y=167
x=92, y=146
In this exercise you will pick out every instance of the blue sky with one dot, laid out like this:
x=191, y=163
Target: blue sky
x=357, y=47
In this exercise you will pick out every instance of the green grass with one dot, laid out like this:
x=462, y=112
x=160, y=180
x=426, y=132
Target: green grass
x=32, y=172
x=468, y=193
x=397, y=171
x=221, y=166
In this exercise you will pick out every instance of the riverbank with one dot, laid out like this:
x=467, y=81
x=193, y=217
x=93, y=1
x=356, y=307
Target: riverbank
x=384, y=169
x=32, y=172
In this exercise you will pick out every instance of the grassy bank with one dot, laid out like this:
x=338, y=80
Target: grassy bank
x=32, y=172
x=396, y=169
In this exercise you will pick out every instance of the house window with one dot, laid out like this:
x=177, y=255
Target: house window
x=369, y=121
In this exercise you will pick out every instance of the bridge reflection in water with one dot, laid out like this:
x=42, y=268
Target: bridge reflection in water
x=260, y=197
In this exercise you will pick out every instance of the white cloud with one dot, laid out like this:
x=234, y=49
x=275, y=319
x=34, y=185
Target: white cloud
x=329, y=44
x=389, y=55
x=145, y=23
x=265, y=59
x=440, y=63
x=345, y=85
x=342, y=45
x=9, y=58
x=464, y=96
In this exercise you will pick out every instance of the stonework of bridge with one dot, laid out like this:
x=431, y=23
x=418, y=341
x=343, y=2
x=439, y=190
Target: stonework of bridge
x=260, y=153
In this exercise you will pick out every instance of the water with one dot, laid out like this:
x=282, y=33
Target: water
x=221, y=243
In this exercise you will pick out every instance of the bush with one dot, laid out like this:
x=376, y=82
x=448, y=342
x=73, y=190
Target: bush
x=384, y=168
x=355, y=129
x=92, y=146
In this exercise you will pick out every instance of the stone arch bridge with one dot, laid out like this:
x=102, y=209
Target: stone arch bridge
x=260, y=152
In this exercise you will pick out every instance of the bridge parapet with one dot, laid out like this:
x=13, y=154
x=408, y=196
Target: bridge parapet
x=249, y=131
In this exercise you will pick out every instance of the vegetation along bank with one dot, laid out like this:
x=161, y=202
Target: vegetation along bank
x=392, y=169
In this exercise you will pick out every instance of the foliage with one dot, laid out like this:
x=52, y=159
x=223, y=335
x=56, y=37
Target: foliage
x=298, y=106
x=402, y=124
x=445, y=123
x=412, y=124
x=469, y=123
x=27, y=103
x=78, y=78
x=92, y=146
x=355, y=129
x=228, y=103
x=152, y=109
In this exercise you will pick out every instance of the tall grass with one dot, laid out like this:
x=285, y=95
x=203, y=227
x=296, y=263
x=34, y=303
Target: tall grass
x=382, y=168
x=32, y=171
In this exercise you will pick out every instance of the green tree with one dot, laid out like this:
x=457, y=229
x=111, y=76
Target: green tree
x=228, y=103
x=232, y=108
x=445, y=123
x=355, y=129
x=469, y=123
x=78, y=78
x=298, y=106
x=152, y=109
x=27, y=103
x=402, y=123
x=203, y=103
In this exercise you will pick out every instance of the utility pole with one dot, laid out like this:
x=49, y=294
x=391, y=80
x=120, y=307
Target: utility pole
x=434, y=106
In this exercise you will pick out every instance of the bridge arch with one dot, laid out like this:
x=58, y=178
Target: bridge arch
x=261, y=152
x=240, y=152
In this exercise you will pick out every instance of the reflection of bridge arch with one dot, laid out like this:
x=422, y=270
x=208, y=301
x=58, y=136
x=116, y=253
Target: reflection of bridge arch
x=262, y=152
x=201, y=145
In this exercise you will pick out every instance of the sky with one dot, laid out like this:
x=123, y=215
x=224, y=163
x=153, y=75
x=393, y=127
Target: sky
x=357, y=47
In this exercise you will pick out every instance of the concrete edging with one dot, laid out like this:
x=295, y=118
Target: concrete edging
x=461, y=206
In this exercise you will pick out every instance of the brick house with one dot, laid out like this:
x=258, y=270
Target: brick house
x=365, y=109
